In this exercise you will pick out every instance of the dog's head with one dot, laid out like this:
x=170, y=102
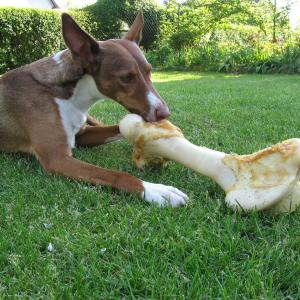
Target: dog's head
x=119, y=68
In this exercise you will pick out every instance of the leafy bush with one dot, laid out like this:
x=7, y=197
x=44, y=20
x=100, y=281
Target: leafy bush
x=109, y=16
x=227, y=36
x=216, y=36
x=152, y=15
x=229, y=48
x=30, y=34
x=182, y=39
x=221, y=57
x=159, y=55
x=113, y=14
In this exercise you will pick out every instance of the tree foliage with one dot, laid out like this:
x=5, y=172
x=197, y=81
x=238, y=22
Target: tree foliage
x=113, y=14
x=200, y=19
x=109, y=16
x=231, y=34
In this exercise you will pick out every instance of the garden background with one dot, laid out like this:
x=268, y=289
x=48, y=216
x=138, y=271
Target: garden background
x=211, y=35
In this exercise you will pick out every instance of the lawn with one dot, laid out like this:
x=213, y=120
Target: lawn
x=108, y=245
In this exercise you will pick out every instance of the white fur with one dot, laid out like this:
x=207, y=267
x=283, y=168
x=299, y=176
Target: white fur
x=163, y=194
x=73, y=111
x=57, y=57
x=154, y=101
x=72, y=119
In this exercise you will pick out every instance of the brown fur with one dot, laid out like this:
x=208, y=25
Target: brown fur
x=29, y=117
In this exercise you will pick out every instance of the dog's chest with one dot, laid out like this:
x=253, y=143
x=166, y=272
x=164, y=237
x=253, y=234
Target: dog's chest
x=72, y=119
x=73, y=111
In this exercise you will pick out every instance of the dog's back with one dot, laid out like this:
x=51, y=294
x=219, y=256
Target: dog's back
x=12, y=136
x=22, y=99
x=26, y=94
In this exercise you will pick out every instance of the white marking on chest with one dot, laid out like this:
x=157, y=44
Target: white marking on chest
x=73, y=111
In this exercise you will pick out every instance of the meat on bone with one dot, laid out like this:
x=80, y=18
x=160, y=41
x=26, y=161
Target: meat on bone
x=265, y=180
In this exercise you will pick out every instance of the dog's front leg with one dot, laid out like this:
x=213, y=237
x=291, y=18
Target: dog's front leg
x=91, y=136
x=64, y=164
x=54, y=153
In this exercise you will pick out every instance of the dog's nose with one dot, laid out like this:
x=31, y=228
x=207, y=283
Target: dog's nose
x=162, y=112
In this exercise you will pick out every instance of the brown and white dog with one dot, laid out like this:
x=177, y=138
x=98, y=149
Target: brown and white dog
x=44, y=106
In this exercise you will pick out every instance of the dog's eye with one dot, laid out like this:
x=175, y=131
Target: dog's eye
x=128, y=78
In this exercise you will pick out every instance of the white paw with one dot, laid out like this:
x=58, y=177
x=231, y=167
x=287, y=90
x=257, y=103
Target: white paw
x=163, y=194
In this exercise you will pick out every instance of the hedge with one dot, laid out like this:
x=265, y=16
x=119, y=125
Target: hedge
x=27, y=35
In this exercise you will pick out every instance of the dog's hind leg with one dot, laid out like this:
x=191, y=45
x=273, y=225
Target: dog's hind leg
x=91, y=136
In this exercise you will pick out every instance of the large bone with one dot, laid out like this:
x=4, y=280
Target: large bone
x=265, y=180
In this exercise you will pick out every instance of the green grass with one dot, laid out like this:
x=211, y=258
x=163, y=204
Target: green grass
x=108, y=245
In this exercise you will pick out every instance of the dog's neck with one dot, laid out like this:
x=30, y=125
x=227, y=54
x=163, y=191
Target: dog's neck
x=67, y=78
x=59, y=69
x=85, y=93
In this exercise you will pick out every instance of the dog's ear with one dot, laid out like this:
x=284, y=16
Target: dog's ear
x=80, y=43
x=135, y=32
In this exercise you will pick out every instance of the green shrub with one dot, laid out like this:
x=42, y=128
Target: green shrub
x=112, y=14
x=109, y=15
x=152, y=16
x=228, y=57
x=182, y=39
x=226, y=36
x=159, y=55
x=30, y=34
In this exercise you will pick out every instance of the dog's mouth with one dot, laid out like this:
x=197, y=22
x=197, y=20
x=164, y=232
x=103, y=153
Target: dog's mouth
x=151, y=117
x=155, y=115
